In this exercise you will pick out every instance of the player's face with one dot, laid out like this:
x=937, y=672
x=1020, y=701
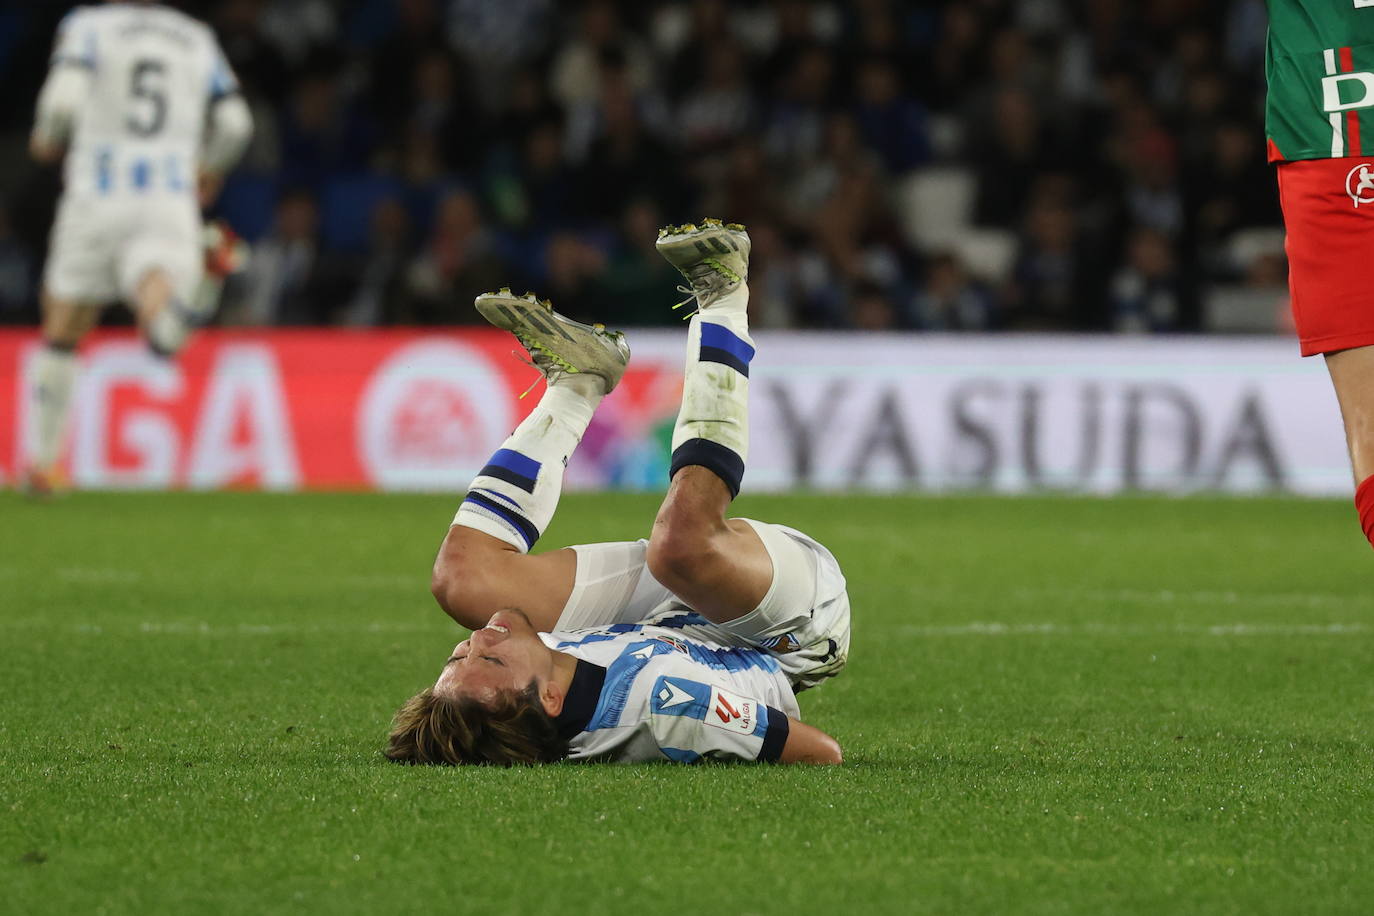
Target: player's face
x=506, y=654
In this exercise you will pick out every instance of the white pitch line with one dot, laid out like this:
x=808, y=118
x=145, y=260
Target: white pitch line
x=203, y=628
x=200, y=628
x=993, y=628
x=1301, y=629
x=88, y=575
x=1081, y=596
x=215, y=630
x=1169, y=596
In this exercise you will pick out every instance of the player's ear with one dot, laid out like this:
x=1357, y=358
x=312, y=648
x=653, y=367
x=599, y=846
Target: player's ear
x=551, y=697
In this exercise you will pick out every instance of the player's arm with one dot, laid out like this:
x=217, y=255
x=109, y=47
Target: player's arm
x=229, y=127
x=229, y=130
x=808, y=744
x=691, y=720
x=65, y=90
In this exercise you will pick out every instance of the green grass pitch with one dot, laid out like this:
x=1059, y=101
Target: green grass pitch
x=1052, y=706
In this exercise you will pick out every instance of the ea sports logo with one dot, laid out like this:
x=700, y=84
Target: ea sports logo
x=1359, y=184
x=430, y=416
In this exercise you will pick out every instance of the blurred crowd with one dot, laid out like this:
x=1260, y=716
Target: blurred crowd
x=924, y=164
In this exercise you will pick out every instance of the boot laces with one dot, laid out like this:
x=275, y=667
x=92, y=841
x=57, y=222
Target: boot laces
x=549, y=369
x=708, y=277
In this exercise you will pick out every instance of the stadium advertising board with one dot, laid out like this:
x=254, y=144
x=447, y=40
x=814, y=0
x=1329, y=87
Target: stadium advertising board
x=411, y=409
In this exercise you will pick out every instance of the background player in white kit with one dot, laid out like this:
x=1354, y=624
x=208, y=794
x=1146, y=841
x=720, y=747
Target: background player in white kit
x=685, y=646
x=144, y=105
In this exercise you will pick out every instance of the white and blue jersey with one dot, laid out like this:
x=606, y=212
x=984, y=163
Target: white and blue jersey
x=154, y=72
x=672, y=687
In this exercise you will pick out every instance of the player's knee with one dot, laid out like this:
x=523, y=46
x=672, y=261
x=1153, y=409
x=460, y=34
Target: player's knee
x=166, y=334
x=61, y=345
x=65, y=324
x=161, y=349
x=459, y=588
x=61, y=340
x=683, y=554
x=445, y=584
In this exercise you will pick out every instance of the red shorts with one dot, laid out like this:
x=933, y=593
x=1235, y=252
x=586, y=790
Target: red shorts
x=1328, y=210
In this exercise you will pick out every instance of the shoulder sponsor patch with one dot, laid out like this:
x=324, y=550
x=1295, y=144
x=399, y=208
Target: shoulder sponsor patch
x=676, y=696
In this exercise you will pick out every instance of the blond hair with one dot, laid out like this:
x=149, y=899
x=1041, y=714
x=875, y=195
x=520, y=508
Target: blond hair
x=432, y=728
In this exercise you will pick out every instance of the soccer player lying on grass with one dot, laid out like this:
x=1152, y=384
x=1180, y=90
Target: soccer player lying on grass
x=685, y=646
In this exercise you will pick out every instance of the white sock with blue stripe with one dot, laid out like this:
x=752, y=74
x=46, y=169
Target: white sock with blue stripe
x=712, y=428
x=514, y=497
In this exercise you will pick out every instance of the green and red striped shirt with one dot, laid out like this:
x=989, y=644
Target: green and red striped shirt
x=1320, y=68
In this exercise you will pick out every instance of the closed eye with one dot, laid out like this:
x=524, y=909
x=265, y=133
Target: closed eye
x=486, y=658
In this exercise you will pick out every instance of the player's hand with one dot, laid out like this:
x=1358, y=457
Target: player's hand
x=44, y=151
x=209, y=186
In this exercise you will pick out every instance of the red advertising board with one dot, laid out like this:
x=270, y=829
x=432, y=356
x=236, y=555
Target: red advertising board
x=285, y=409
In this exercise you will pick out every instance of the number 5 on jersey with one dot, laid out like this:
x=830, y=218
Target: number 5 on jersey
x=147, y=85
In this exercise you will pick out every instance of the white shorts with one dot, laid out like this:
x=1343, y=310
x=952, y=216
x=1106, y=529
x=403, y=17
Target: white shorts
x=803, y=620
x=101, y=247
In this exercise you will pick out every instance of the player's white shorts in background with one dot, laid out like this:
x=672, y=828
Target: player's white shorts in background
x=102, y=247
x=803, y=621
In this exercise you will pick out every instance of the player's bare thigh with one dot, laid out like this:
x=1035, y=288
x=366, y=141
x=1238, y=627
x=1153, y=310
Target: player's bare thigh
x=1352, y=375
x=66, y=322
x=475, y=575
x=718, y=566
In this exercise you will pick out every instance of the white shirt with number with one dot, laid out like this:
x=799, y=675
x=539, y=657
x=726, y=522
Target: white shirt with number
x=154, y=72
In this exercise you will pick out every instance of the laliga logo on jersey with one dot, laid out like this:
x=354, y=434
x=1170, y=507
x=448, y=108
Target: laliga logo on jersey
x=1359, y=184
x=725, y=710
x=730, y=712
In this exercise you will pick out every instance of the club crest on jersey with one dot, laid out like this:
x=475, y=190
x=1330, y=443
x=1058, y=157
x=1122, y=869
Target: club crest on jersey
x=781, y=644
x=1359, y=184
